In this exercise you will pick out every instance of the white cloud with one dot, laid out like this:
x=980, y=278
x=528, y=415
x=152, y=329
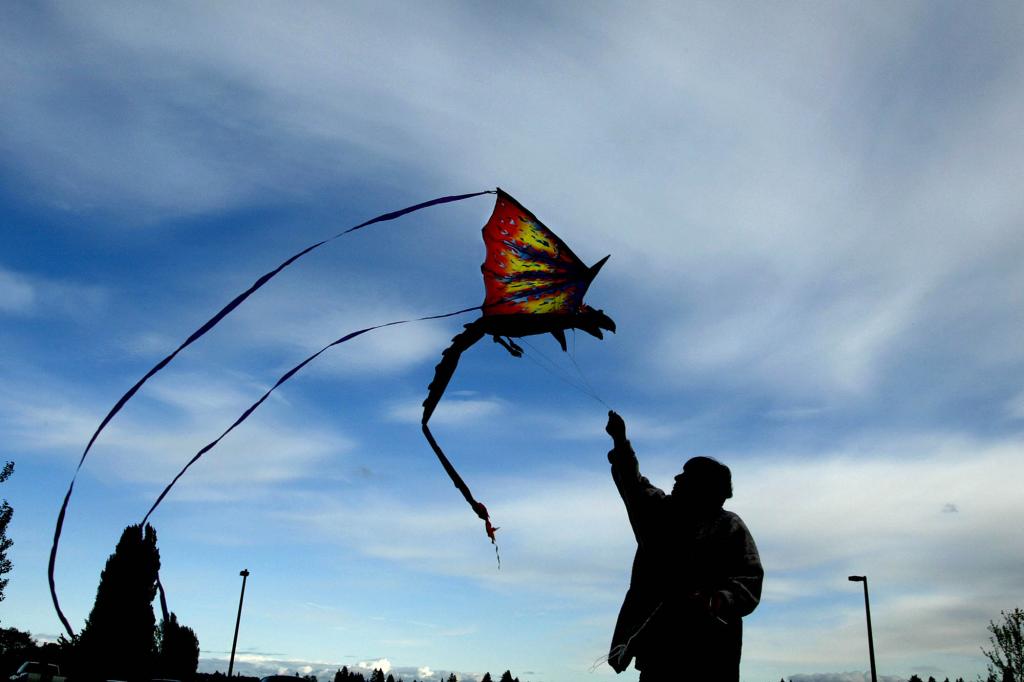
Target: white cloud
x=449, y=411
x=23, y=294
x=786, y=239
x=142, y=448
x=873, y=507
x=1015, y=407
x=814, y=206
x=285, y=315
x=843, y=677
x=16, y=294
x=215, y=394
x=590, y=426
x=381, y=664
x=259, y=665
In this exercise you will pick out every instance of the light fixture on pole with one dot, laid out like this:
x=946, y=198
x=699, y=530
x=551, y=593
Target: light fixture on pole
x=231, y=664
x=867, y=610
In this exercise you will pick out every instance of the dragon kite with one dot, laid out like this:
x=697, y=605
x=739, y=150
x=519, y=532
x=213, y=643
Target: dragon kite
x=534, y=284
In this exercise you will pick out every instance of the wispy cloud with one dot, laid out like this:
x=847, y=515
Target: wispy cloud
x=1015, y=407
x=16, y=294
x=815, y=226
x=843, y=677
x=285, y=317
x=148, y=449
x=449, y=411
x=32, y=295
x=858, y=510
x=259, y=665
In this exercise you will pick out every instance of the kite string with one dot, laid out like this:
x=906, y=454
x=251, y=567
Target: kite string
x=550, y=366
x=583, y=377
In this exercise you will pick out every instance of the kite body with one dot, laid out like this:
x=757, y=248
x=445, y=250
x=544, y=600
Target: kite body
x=534, y=285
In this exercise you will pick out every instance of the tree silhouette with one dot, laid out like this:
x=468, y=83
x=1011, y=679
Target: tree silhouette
x=486, y=678
x=178, y=649
x=16, y=646
x=1006, y=655
x=119, y=637
x=377, y=676
x=6, y=512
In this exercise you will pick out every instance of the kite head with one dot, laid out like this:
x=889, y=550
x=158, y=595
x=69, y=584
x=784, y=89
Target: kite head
x=592, y=321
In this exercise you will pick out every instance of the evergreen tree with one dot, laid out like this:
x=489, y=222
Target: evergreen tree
x=452, y=678
x=378, y=675
x=915, y=678
x=119, y=637
x=391, y=678
x=6, y=512
x=341, y=675
x=178, y=650
x=486, y=678
x=506, y=676
x=932, y=679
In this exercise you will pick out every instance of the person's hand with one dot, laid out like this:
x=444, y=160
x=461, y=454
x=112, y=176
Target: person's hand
x=616, y=428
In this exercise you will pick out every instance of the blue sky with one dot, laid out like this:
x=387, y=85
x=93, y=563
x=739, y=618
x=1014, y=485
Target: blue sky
x=815, y=223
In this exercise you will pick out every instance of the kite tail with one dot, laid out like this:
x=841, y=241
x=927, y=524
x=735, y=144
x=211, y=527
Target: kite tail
x=195, y=336
x=443, y=373
x=478, y=507
x=163, y=599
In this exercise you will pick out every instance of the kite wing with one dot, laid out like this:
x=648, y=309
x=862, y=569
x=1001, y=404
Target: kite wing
x=528, y=269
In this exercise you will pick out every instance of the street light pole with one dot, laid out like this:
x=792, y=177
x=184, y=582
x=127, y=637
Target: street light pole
x=231, y=664
x=867, y=610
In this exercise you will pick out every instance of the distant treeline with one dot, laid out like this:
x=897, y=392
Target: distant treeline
x=343, y=675
x=915, y=678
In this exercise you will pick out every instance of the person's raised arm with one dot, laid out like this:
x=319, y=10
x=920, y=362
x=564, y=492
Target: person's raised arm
x=625, y=469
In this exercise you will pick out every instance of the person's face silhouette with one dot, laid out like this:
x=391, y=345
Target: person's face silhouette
x=693, y=491
x=683, y=486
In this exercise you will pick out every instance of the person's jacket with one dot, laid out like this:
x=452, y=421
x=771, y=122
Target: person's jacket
x=694, y=577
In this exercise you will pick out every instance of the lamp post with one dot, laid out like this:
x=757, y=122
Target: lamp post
x=231, y=664
x=867, y=610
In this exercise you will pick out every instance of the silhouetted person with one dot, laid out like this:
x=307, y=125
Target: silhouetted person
x=696, y=572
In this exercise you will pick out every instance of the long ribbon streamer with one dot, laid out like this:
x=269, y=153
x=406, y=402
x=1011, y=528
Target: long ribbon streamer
x=195, y=336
